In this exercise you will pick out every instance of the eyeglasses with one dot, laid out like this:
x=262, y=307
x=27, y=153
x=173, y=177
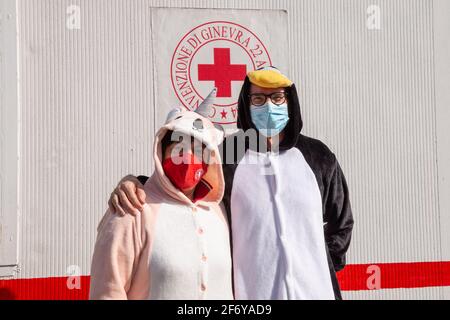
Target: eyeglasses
x=259, y=99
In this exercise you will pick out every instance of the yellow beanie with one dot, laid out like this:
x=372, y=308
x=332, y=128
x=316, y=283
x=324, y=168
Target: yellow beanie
x=269, y=77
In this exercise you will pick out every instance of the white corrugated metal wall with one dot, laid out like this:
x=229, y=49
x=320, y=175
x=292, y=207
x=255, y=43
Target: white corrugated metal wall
x=86, y=121
x=8, y=140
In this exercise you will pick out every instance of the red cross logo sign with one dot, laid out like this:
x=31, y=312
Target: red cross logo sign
x=216, y=54
x=222, y=72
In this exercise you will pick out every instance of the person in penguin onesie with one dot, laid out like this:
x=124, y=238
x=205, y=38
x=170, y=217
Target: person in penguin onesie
x=286, y=198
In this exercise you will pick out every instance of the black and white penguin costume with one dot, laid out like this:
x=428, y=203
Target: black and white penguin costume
x=289, y=212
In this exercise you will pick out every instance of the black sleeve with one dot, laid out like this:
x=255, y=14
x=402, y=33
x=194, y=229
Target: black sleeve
x=338, y=217
x=228, y=173
x=142, y=179
x=337, y=212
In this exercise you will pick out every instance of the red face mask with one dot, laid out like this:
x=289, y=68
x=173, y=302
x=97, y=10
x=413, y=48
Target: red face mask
x=185, y=172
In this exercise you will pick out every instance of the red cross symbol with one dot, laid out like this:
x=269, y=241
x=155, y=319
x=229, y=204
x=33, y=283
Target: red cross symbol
x=222, y=72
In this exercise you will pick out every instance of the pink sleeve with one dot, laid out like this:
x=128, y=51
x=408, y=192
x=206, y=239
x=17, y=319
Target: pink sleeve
x=116, y=254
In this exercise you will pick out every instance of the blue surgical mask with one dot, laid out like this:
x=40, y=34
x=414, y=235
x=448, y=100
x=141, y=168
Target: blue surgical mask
x=270, y=119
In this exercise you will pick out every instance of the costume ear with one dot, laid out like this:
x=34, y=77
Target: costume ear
x=174, y=113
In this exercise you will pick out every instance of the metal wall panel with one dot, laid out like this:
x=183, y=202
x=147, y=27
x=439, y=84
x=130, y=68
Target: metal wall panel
x=9, y=140
x=87, y=120
x=442, y=76
x=396, y=294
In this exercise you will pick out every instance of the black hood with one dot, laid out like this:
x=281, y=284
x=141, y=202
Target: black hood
x=293, y=127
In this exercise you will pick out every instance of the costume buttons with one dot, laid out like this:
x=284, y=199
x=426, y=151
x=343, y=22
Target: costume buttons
x=204, y=258
x=203, y=287
x=200, y=231
x=194, y=209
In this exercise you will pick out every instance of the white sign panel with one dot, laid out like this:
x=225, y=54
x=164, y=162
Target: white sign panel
x=196, y=50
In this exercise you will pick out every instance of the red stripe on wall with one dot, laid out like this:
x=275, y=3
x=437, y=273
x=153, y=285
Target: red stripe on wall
x=395, y=275
x=55, y=288
x=353, y=277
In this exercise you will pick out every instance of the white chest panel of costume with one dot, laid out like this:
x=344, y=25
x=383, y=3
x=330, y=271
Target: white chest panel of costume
x=277, y=224
x=190, y=256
